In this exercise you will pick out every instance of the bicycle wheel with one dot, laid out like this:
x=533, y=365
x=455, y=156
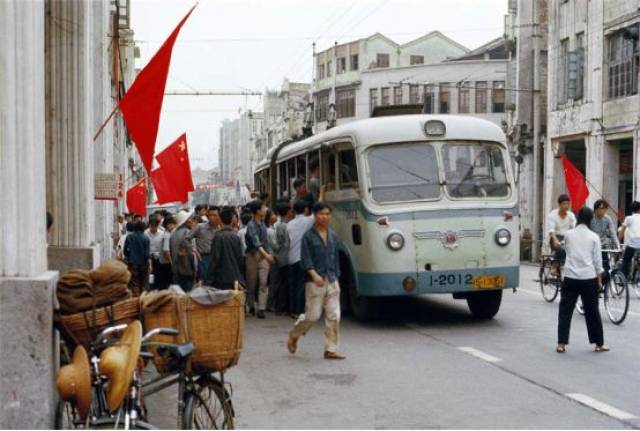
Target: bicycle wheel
x=548, y=285
x=580, y=307
x=208, y=406
x=616, y=298
x=635, y=282
x=66, y=416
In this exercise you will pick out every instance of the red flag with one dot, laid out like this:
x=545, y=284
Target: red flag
x=142, y=103
x=137, y=198
x=576, y=184
x=175, y=159
x=165, y=187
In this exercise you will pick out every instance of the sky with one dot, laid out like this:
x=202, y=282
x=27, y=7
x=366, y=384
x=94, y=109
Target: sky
x=235, y=45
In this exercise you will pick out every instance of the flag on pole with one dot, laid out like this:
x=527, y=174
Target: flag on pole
x=142, y=103
x=137, y=198
x=164, y=187
x=576, y=184
x=175, y=159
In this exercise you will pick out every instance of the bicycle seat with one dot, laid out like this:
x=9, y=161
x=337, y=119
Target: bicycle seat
x=183, y=350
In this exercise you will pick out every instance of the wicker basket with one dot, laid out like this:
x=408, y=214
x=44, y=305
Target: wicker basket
x=83, y=328
x=215, y=330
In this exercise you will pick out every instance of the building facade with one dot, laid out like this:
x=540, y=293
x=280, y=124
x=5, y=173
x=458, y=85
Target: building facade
x=593, y=99
x=236, y=155
x=60, y=79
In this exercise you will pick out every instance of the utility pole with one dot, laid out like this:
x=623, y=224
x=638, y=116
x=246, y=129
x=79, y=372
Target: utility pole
x=536, y=224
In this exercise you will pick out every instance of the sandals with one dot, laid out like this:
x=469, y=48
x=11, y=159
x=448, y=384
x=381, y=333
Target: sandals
x=602, y=348
x=560, y=348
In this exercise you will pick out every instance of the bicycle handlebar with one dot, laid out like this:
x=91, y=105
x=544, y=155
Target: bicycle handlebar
x=160, y=331
x=110, y=330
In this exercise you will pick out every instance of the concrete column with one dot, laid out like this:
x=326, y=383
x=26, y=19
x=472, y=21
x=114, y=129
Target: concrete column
x=594, y=145
x=102, y=106
x=26, y=288
x=69, y=133
x=551, y=166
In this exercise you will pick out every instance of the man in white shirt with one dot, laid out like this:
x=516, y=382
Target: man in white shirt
x=296, y=229
x=630, y=227
x=559, y=222
x=155, y=242
x=582, y=278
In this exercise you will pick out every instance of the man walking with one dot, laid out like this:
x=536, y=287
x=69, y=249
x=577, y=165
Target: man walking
x=319, y=256
x=258, y=258
x=137, y=254
x=203, y=234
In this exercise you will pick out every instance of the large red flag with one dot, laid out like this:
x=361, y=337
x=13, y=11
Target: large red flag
x=165, y=188
x=137, y=198
x=576, y=184
x=175, y=160
x=142, y=103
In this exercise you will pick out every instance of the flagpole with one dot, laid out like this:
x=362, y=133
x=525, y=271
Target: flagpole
x=105, y=123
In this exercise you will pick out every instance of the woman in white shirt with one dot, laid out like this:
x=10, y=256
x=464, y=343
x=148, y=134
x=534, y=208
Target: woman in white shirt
x=583, y=278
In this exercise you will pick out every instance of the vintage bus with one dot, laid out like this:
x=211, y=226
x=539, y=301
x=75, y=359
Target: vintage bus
x=422, y=204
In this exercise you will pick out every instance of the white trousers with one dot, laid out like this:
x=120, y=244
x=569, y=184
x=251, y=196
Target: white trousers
x=319, y=299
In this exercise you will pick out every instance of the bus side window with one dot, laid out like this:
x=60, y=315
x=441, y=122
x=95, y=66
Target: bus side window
x=348, y=170
x=329, y=170
x=282, y=179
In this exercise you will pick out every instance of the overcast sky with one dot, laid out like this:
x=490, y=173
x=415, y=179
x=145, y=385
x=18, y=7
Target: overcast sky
x=254, y=44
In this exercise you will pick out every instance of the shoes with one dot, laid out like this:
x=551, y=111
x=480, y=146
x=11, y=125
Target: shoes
x=333, y=355
x=602, y=348
x=293, y=316
x=560, y=348
x=292, y=344
x=260, y=314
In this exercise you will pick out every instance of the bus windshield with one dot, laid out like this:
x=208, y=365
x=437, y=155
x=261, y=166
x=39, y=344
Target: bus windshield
x=405, y=172
x=474, y=170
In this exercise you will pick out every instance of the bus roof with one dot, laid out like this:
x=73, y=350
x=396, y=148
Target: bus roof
x=400, y=128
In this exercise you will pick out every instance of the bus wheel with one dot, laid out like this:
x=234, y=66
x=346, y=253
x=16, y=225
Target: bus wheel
x=484, y=305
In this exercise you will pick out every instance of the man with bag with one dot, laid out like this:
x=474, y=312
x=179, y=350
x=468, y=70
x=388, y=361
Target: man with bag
x=182, y=259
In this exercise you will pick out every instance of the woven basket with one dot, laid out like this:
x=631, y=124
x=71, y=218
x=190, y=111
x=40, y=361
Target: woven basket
x=83, y=328
x=215, y=330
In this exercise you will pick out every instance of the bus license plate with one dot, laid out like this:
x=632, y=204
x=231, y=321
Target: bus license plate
x=488, y=281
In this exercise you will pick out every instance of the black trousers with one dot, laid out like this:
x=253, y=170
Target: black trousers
x=588, y=291
x=627, y=257
x=282, y=291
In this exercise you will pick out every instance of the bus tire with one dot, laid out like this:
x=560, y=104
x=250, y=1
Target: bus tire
x=484, y=305
x=362, y=307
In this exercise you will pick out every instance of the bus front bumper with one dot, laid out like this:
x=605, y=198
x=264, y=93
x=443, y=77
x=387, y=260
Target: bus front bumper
x=446, y=281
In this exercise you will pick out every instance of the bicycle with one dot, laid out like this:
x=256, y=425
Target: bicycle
x=203, y=400
x=634, y=277
x=550, y=283
x=615, y=291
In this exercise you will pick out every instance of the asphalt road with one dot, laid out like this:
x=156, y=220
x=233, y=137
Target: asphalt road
x=428, y=364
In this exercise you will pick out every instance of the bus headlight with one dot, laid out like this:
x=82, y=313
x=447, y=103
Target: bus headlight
x=395, y=241
x=503, y=237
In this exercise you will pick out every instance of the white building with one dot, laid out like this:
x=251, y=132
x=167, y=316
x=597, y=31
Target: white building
x=284, y=115
x=435, y=70
x=237, y=156
x=593, y=99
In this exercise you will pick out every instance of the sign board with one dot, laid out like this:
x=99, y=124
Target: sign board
x=108, y=187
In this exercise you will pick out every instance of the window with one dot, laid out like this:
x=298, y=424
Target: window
x=342, y=65
x=321, y=71
x=322, y=105
x=464, y=99
x=563, y=69
x=282, y=180
x=444, y=98
x=346, y=103
x=416, y=59
x=348, y=169
x=403, y=172
x=329, y=68
x=301, y=167
x=291, y=172
x=429, y=99
x=498, y=97
x=397, y=95
x=373, y=99
x=414, y=94
x=474, y=170
x=354, y=62
x=385, y=96
x=481, y=97
x=382, y=60
x=579, y=59
x=622, y=65
x=329, y=169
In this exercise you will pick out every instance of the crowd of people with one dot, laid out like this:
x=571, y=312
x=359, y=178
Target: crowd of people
x=581, y=244
x=284, y=255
